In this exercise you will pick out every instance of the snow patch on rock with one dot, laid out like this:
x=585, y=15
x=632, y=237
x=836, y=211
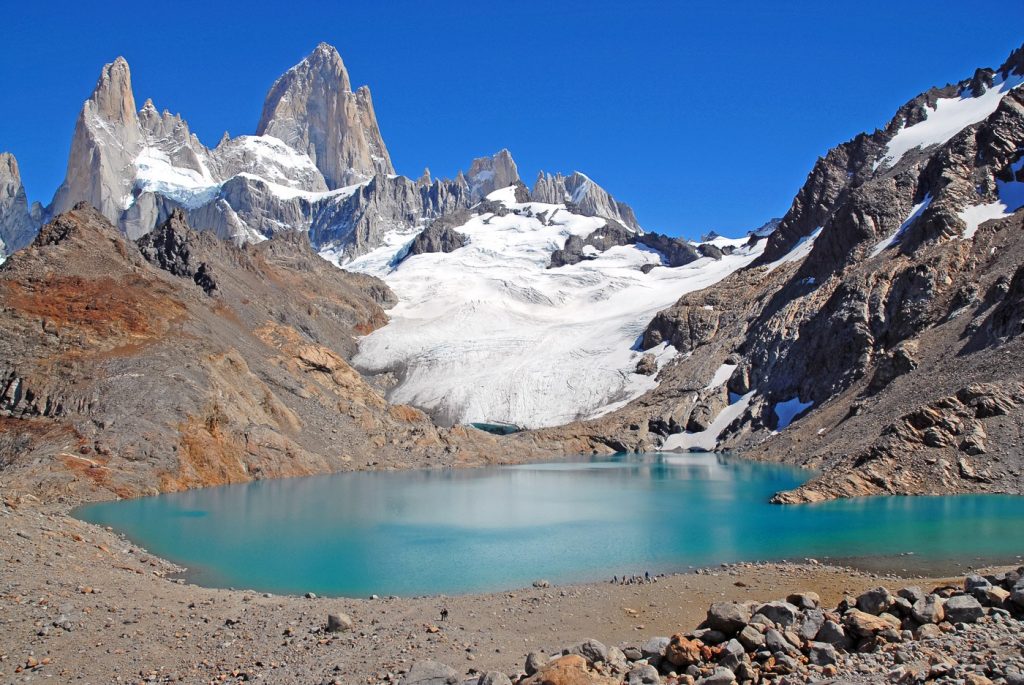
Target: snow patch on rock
x=946, y=119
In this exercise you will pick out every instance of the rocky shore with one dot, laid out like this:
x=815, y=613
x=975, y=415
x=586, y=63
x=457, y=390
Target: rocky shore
x=969, y=633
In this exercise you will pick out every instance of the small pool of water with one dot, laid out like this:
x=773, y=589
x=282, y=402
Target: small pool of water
x=467, y=530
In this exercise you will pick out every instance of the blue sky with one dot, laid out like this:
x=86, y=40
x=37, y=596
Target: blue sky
x=700, y=115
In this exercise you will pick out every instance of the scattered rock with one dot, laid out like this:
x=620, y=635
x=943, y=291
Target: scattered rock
x=337, y=623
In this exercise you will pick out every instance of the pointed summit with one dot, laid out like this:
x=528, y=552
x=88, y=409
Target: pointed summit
x=313, y=110
x=112, y=97
x=107, y=138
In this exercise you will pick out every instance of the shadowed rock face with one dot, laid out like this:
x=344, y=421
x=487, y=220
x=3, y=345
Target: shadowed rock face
x=895, y=327
x=440, y=236
x=312, y=109
x=18, y=223
x=172, y=246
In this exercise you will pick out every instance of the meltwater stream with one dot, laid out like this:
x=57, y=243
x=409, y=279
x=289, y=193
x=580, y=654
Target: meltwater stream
x=464, y=530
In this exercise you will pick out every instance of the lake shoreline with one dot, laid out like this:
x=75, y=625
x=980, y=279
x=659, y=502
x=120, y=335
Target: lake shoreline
x=126, y=616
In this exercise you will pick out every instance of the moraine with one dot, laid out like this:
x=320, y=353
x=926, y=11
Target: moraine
x=469, y=530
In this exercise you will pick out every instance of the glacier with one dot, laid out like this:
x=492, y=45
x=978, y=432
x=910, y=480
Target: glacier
x=489, y=333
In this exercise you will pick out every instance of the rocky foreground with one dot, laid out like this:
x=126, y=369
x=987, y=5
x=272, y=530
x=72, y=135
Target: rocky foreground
x=971, y=633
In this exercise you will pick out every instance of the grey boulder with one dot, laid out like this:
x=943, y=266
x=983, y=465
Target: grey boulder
x=728, y=617
x=429, y=672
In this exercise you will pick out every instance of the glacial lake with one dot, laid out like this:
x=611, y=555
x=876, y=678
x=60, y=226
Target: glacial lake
x=467, y=530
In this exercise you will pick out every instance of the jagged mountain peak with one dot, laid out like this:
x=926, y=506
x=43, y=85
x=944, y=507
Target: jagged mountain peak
x=487, y=174
x=1014, y=64
x=893, y=163
x=312, y=108
x=112, y=97
x=323, y=62
x=582, y=192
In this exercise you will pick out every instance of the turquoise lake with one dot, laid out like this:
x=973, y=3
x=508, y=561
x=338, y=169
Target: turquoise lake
x=466, y=530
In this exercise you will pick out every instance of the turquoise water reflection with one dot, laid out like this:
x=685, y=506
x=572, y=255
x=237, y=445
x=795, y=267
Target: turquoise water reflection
x=451, y=531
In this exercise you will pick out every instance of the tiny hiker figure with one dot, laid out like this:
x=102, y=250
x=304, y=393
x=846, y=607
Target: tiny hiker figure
x=444, y=614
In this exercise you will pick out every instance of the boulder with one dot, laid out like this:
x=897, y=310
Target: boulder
x=337, y=623
x=812, y=623
x=805, y=600
x=751, y=638
x=782, y=613
x=617, y=660
x=643, y=674
x=728, y=617
x=963, y=609
x=995, y=596
x=654, y=647
x=975, y=582
x=863, y=624
x=912, y=594
x=648, y=365
x=683, y=652
x=834, y=634
x=929, y=610
x=776, y=642
x=591, y=650
x=928, y=631
x=429, y=672
x=494, y=678
x=567, y=670
x=822, y=654
x=721, y=676
x=875, y=601
x=535, y=661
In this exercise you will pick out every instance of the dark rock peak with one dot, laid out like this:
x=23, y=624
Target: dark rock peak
x=439, y=236
x=674, y=251
x=173, y=246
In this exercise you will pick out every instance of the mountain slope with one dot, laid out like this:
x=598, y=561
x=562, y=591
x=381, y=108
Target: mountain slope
x=877, y=336
x=186, y=361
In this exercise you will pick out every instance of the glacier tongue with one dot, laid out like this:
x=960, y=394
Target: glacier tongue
x=488, y=333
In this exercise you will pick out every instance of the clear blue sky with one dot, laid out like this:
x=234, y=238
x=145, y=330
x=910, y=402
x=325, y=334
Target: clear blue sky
x=700, y=115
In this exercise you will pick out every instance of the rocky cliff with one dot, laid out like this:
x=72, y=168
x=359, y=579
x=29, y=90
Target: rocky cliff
x=18, y=221
x=313, y=109
x=317, y=165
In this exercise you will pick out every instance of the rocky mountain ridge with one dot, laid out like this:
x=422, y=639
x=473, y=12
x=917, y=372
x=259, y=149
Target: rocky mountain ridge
x=316, y=164
x=877, y=337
